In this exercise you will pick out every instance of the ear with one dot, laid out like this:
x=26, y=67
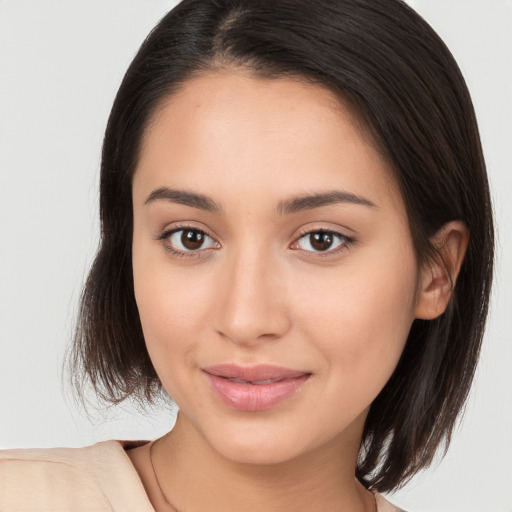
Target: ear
x=438, y=276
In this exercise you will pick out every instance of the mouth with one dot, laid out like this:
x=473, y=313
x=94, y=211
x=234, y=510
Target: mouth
x=254, y=382
x=254, y=388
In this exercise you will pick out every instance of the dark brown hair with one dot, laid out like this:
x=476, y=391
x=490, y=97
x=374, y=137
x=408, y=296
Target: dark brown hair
x=387, y=63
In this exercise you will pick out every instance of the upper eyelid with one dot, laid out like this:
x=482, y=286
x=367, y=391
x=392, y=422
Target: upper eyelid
x=321, y=230
x=334, y=231
x=302, y=233
x=181, y=227
x=167, y=233
x=347, y=239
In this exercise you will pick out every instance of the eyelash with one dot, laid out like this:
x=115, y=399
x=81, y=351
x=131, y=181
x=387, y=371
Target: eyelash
x=164, y=237
x=346, y=241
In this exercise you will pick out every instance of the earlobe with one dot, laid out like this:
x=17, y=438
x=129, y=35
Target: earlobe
x=438, y=276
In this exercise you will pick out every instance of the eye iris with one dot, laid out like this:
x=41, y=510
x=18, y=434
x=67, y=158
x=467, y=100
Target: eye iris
x=321, y=241
x=192, y=239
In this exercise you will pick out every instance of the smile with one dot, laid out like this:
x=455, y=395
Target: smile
x=255, y=388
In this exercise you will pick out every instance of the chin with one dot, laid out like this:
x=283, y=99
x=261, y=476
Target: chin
x=262, y=444
x=257, y=453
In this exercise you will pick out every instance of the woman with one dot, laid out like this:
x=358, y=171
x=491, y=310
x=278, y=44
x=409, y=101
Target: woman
x=296, y=247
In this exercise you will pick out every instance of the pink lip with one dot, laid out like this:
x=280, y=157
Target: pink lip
x=254, y=388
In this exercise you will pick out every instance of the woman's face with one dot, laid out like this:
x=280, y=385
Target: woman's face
x=273, y=265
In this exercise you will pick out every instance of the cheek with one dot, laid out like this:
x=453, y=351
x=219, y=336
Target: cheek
x=360, y=318
x=168, y=327
x=172, y=307
x=168, y=315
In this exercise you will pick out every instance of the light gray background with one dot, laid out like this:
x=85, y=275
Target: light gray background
x=60, y=65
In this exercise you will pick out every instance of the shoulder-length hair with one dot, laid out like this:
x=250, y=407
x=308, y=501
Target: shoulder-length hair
x=388, y=65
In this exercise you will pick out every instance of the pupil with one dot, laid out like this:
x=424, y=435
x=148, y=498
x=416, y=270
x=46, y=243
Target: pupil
x=192, y=239
x=321, y=241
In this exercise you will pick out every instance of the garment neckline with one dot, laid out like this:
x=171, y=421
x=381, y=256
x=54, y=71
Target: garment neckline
x=383, y=505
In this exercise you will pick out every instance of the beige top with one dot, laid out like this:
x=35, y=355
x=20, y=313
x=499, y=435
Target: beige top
x=97, y=478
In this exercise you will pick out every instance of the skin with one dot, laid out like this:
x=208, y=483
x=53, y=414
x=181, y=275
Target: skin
x=259, y=292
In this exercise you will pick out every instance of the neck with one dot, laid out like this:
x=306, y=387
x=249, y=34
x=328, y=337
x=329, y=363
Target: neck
x=194, y=477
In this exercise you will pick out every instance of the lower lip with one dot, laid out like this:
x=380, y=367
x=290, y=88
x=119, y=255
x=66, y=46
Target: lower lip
x=254, y=397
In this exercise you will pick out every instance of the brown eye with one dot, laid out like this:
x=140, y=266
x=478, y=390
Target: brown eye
x=321, y=241
x=192, y=239
x=189, y=240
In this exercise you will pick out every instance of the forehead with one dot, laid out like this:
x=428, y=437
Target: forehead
x=282, y=134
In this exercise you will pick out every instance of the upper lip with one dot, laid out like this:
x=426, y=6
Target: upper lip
x=254, y=373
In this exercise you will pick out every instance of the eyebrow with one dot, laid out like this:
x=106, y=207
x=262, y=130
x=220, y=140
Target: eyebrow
x=293, y=205
x=184, y=197
x=309, y=202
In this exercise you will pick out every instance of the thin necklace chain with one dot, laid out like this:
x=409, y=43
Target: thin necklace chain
x=173, y=507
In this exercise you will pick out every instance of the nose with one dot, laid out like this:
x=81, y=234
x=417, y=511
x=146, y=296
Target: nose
x=252, y=305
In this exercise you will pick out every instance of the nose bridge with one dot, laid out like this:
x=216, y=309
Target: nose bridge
x=252, y=307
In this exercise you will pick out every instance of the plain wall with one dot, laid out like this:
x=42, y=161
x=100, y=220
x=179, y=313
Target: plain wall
x=60, y=65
